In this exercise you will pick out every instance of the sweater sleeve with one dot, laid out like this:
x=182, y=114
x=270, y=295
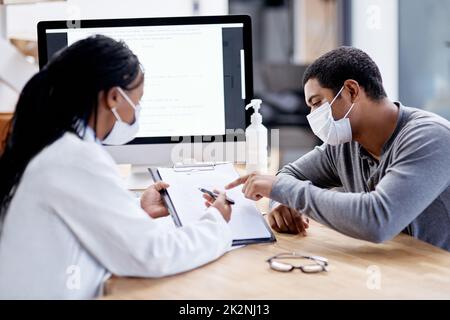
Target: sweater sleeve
x=421, y=162
x=316, y=166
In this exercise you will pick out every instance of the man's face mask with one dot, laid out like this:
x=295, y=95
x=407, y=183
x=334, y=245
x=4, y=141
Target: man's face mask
x=330, y=131
x=123, y=132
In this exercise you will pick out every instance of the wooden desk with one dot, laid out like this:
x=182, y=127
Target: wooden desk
x=408, y=269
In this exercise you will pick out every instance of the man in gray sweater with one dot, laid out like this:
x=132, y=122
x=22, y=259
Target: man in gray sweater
x=383, y=168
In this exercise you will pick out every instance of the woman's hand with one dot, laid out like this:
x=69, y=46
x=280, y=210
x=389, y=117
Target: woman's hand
x=152, y=202
x=220, y=204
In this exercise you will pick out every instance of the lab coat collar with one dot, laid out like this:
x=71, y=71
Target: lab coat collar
x=89, y=135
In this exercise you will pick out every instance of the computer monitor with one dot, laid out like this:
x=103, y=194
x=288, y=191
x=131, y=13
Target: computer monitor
x=198, y=80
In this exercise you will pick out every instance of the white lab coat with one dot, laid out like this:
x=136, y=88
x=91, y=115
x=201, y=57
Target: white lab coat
x=72, y=223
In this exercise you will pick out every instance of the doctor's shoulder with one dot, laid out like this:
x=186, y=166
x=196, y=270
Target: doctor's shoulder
x=70, y=152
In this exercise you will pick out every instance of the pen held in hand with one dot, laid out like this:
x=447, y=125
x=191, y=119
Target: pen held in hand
x=215, y=195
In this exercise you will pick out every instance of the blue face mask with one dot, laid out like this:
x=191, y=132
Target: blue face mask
x=123, y=132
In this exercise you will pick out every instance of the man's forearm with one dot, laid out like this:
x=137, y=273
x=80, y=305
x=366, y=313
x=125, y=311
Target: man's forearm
x=369, y=216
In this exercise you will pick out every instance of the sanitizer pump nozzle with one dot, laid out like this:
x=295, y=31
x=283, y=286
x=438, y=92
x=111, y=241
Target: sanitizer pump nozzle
x=256, y=116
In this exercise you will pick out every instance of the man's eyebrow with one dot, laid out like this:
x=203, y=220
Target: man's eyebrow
x=312, y=97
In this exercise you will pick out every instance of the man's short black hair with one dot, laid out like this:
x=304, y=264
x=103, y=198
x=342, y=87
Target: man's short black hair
x=338, y=65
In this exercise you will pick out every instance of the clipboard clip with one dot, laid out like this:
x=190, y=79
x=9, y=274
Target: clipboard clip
x=196, y=166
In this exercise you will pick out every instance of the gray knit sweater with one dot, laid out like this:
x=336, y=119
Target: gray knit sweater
x=407, y=190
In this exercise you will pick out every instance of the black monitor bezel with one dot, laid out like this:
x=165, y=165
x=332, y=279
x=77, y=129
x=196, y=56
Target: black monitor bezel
x=43, y=26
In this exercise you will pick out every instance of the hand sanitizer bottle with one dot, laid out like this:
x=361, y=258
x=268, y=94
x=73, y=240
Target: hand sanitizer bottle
x=256, y=141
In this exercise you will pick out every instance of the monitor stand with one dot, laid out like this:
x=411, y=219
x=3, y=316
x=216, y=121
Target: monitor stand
x=144, y=156
x=138, y=178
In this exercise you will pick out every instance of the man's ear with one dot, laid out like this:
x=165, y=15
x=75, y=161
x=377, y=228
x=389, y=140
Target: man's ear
x=353, y=88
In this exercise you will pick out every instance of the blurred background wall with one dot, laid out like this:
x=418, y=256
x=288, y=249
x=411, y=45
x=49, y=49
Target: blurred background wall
x=409, y=40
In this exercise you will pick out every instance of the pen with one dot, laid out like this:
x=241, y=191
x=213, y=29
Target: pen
x=214, y=195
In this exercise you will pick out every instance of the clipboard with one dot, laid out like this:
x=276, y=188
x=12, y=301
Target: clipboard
x=247, y=223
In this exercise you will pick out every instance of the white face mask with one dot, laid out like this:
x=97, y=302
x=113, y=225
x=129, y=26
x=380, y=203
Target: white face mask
x=330, y=131
x=123, y=132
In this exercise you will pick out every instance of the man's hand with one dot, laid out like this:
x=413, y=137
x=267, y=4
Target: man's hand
x=286, y=220
x=220, y=204
x=256, y=185
x=152, y=202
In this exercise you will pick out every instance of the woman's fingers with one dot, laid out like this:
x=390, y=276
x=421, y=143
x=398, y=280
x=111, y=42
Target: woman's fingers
x=160, y=185
x=221, y=198
x=208, y=198
x=160, y=211
x=222, y=205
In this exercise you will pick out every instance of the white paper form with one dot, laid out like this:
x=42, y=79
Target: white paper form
x=246, y=220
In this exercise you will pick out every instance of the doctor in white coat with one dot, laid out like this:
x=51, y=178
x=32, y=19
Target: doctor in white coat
x=67, y=220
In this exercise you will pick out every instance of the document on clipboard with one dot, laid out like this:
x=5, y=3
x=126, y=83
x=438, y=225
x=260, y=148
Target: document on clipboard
x=186, y=204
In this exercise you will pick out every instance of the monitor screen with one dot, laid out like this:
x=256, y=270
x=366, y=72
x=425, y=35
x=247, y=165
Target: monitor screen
x=197, y=70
